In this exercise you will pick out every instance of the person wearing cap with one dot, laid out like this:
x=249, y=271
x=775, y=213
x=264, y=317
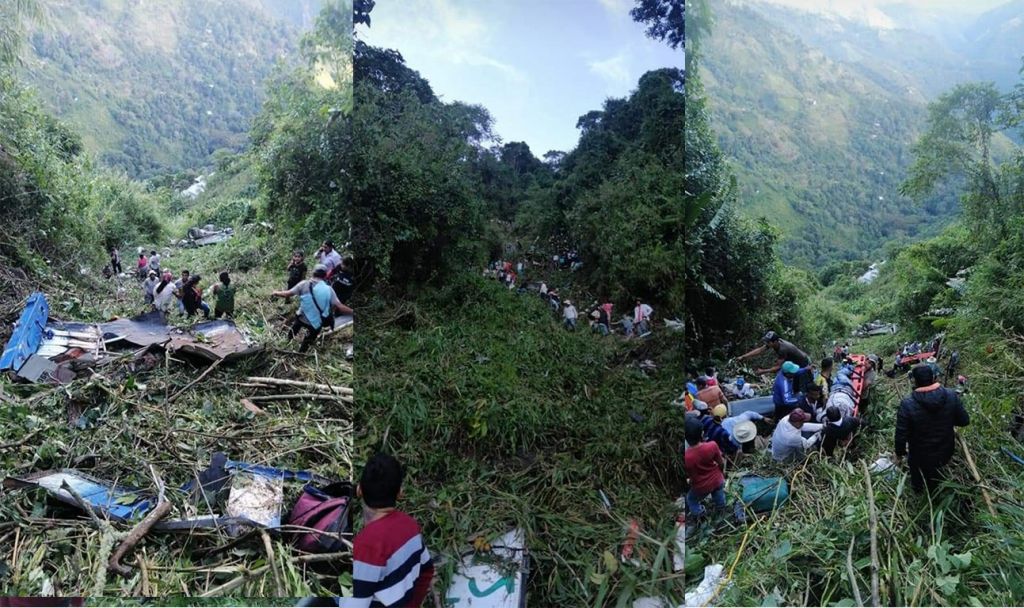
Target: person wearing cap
x=839, y=429
x=784, y=351
x=317, y=301
x=788, y=442
x=704, y=464
x=713, y=430
x=925, y=432
x=328, y=256
x=712, y=395
x=569, y=315
x=784, y=393
x=149, y=285
x=742, y=430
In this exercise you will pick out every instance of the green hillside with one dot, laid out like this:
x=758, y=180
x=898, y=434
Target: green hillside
x=157, y=87
x=819, y=146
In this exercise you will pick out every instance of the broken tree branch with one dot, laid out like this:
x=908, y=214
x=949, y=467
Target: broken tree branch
x=325, y=388
x=21, y=441
x=163, y=507
x=193, y=383
x=976, y=475
x=312, y=396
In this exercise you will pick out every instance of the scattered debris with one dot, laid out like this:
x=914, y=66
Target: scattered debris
x=940, y=312
x=872, y=273
x=875, y=328
x=762, y=494
x=28, y=333
x=116, y=502
x=212, y=340
x=207, y=235
x=708, y=589
x=492, y=579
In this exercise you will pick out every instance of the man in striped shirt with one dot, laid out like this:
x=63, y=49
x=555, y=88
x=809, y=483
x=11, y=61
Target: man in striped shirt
x=391, y=567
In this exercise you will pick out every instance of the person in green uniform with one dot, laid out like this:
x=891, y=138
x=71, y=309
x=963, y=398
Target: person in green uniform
x=224, y=297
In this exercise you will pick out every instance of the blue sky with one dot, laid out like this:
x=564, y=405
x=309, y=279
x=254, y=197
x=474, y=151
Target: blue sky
x=536, y=65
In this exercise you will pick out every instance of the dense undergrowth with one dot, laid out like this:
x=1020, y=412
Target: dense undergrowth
x=113, y=425
x=506, y=419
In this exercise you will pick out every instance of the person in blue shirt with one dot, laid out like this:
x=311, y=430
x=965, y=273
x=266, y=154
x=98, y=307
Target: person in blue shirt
x=784, y=392
x=317, y=303
x=714, y=431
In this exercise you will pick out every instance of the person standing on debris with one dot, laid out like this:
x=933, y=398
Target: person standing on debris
x=296, y=269
x=163, y=295
x=224, y=294
x=569, y=315
x=641, y=316
x=391, y=566
x=712, y=395
x=704, y=466
x=154, y=262
x=192, y=298
x=784, y=351
x=784, y=393
x=328, y=256
x=115, y=260
x=925, y=432
x=788, y=442
x=143, y=266
x=148, y=286
x=317, y=301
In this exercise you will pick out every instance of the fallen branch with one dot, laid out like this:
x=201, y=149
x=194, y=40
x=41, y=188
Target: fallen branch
x=852, y=574
x=235, y=582
x=273, y=563
x=191, y=384
x=341, y=390
x=312, y=396
x=977, y=475
x=873, y=515
x=22, y=441
x=140, y=530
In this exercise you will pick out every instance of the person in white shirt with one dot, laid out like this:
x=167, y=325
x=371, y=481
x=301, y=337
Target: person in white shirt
x=788, y=442
x=641, y=315
x=149, y=286
x=543, y=289
x=569, y=314
x=163, y=294
x=328, y=256
x=154, y=262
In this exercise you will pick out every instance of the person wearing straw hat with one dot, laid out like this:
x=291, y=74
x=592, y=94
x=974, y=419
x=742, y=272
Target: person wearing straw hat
x=742, y=429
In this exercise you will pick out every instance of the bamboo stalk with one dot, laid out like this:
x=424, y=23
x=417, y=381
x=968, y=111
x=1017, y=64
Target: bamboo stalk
x=852, y=574
x=312, y=396
x=341, y=390
x=977, y=475
x=875, y=601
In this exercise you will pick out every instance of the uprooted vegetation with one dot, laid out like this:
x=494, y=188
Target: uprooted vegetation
x=117, y=423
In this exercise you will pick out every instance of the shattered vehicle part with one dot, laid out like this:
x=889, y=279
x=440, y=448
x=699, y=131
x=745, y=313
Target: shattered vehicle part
x=28, y=333
x=494, y=579
x=117, y=502
x=212, y=340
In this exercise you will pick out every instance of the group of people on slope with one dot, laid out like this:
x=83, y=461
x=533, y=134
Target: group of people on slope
x=815, y=408
x=326, y=292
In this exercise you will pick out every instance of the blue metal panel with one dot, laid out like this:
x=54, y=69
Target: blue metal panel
x=28, y=333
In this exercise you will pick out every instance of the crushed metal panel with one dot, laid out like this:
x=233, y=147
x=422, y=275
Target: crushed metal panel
x=143, y=330
x=213, y=340
x=37, y=367
x=28, y=333
x=117, y=502
x=497, y=580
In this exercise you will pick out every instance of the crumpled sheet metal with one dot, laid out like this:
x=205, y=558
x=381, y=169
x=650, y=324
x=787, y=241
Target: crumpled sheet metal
x=213, y=340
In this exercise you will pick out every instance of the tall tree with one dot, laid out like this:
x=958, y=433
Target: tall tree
x=665, y=20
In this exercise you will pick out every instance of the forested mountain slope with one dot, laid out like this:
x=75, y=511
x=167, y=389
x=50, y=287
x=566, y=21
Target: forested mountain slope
x=819, y=146
x=155, y=87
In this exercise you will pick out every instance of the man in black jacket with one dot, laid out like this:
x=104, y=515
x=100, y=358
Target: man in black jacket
x=924, y=423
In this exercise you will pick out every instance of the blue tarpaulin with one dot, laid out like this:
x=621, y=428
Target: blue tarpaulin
x=28, y=333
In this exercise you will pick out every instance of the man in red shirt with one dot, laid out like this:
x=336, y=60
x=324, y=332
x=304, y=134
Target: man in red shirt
x=704, y=465
x=391, y=566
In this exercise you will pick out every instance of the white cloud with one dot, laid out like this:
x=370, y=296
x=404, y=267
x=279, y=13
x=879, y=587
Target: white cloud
x=614, y=71
x=618, y=8
x=446, y=31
